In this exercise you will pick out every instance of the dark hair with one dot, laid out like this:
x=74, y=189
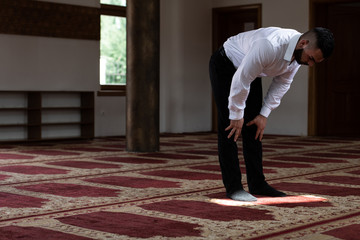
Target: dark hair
x=325, y=41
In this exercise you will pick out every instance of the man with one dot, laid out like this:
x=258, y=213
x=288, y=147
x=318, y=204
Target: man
x=235, y=71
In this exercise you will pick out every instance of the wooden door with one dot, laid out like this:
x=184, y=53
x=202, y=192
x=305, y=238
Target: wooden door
x=229, y=21
x=338, y=93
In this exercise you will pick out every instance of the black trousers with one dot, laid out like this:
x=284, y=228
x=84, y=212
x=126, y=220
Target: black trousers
x=221, y=73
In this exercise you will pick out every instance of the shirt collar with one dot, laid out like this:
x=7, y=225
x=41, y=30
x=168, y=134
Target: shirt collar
x=291, y=48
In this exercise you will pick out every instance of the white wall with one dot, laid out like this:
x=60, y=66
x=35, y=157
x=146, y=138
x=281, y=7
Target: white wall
x=41, y=63
x=184, y=55
x=290, y=118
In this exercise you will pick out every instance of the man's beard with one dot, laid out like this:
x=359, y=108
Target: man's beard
x=297, y=55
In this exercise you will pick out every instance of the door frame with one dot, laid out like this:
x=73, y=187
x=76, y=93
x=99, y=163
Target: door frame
x=313, y=103
x=215, y=40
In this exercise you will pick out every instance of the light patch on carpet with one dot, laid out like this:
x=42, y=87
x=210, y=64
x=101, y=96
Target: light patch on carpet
x=271, y=200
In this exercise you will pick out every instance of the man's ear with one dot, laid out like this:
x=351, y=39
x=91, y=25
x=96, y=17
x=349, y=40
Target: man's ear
x=302, y=43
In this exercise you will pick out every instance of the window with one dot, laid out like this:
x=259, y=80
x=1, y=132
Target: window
x=113, y=45
x=114, y=2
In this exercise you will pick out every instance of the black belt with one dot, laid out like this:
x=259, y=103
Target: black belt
x=223, y=53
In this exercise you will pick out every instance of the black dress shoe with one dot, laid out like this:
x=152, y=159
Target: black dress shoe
x=267, y=190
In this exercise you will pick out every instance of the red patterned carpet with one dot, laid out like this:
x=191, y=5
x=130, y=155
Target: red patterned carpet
x=97, y=190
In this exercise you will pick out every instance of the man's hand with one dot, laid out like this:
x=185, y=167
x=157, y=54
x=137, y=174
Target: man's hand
x=235, y=126
x=260, y=121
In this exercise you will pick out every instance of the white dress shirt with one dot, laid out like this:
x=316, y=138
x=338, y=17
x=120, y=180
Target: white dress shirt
x=259, y=53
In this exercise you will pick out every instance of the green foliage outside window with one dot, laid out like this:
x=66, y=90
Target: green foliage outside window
x=114, y=2
x=113, y=47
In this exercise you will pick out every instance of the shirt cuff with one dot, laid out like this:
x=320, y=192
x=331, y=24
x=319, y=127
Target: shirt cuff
x=236, y=115
x=265, y=111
